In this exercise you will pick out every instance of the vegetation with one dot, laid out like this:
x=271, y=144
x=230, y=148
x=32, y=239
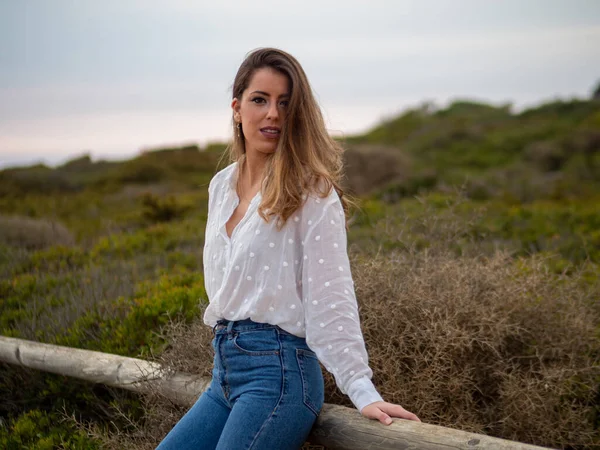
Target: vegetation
x=478, y=241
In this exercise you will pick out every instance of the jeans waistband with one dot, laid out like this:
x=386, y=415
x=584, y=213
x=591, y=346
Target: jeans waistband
x=240, y=325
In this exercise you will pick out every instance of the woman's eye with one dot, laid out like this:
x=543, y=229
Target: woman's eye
x=258, y=100
x=284, y=103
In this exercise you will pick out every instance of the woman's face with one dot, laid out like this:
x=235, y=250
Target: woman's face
x=261, y=110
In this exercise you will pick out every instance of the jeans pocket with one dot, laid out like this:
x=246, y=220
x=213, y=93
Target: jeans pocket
x=258, y=342
x=313, y=390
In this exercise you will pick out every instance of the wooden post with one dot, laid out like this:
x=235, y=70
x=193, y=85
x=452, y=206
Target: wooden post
x=337, y=427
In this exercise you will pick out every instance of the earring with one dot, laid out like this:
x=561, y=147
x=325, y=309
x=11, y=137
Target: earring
x=239, y=127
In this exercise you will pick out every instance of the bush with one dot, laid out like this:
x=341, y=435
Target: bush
x=546, y=155
x=368, y=167
x=162, y=210
x=37, y=430
x=142, y=172
x=33, y=234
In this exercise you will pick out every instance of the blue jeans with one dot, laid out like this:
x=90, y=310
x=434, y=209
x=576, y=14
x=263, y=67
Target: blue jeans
x=266, y=392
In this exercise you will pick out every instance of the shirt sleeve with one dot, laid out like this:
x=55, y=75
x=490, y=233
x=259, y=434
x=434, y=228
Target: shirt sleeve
x=331, y=313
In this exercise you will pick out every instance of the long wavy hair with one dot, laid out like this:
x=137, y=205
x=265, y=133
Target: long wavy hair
x=307, y=159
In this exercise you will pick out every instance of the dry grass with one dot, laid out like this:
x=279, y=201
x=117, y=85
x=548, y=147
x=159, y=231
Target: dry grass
x=368, y=167
x=33, y=234
x=483, y=344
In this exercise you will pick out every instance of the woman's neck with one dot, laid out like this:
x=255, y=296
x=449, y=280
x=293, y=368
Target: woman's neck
x=252, y=171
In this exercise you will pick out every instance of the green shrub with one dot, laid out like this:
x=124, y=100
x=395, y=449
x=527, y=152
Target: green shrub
x=162, y=210
x=142, y=172
x=130, y=326
x=38, y=430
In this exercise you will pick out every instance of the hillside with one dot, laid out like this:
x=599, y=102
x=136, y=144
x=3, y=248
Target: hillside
x=475, y=251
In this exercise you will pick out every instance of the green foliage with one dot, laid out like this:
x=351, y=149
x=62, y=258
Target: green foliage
x=596, y=93
x=38, y=430
x=55, y=259
x=130, y=326
x=162, y=210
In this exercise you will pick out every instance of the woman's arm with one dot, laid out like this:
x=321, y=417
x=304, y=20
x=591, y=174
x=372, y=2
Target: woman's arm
x=333, y=329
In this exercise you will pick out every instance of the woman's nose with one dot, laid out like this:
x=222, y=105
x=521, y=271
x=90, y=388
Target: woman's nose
x=273, y=112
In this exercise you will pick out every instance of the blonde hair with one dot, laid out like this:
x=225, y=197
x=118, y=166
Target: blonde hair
x=307, y=159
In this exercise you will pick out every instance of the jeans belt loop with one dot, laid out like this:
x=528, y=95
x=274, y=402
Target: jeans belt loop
x=230, y=326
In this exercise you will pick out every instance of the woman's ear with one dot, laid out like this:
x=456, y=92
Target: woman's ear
x=235, y=105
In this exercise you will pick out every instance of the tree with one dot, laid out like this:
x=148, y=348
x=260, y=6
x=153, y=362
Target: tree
x=596, y=94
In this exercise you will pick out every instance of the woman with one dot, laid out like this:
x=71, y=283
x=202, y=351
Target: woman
x=277, y=274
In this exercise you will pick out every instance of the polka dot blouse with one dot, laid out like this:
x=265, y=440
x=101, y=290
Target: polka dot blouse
x=297, y=278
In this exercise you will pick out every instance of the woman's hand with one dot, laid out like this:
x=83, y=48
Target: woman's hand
x=383, y=410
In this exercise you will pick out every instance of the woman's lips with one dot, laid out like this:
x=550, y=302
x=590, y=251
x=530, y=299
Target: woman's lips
x=270, y=133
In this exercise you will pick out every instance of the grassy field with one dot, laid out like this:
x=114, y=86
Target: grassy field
x=475, y=252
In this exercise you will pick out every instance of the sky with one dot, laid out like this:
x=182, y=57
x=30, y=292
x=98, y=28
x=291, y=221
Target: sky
x=111, y=78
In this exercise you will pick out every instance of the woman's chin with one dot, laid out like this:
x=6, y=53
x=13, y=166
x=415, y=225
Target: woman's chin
x=266, y=149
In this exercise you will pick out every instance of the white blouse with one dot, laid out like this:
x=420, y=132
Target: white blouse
x=297, y=278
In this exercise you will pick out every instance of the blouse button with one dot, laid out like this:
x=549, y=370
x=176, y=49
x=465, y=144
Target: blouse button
x=352, y=372
x=327, y=283
x=314, y=302
x=321, y=261
x=335, y=245
x=237, y=267
x=340, y=328
x=271, y=244
x=285, y=264
x=329, y=347
x=271, y=309
x=293, y=306
x=341, y=269
x=249, y=278
x=298, y=324
x=291, y=241
x=279, y=287
x=266, y=267
x=251, y=254
x=322, y=325
x=296, y=219
x=317, y=238
x=257, y=231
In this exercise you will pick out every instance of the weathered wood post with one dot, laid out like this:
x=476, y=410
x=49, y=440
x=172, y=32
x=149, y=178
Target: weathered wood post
x=337, y=428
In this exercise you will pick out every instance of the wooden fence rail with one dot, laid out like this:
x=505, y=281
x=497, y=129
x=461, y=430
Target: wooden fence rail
x=337, y=428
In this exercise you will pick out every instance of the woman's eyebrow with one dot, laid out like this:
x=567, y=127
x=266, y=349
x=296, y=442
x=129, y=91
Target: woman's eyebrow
x=268, y=95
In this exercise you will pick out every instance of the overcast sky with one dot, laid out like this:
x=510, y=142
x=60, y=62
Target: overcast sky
x=112, y=77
